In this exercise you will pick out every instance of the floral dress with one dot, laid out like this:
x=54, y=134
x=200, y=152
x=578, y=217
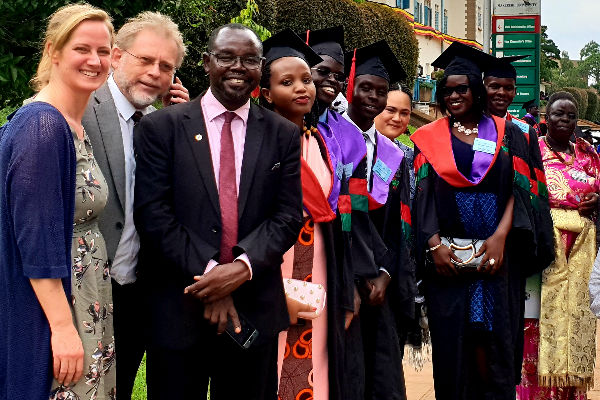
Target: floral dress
x=91, y=301
x=569, y=178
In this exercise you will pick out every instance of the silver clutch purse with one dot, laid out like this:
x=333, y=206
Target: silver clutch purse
x=465, y=249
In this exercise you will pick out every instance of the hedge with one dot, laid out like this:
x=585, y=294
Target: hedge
x=364, y=23
x=592, y=110
x=581, y=98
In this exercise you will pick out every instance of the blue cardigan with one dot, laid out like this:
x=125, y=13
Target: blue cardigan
x=37, y=197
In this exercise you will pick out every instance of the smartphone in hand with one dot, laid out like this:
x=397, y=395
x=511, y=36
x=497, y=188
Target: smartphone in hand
x=248, y=334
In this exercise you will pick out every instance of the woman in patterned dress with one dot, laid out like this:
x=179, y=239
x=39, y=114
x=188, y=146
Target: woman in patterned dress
x=560, y=328
x=305, y=367
x=42, y=155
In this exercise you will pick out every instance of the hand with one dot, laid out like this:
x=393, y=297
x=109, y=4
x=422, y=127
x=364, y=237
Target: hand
x=588, y=204
x=351, y=315
x=177, y=94
x=299, y=310
x=378, y=287
x=67, y=354
x=219, y=282
x=442, y=257
x=492, y=248
x=219, y=312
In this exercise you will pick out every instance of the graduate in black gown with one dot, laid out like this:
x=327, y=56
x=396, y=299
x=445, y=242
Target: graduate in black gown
x=380, y=194
x=474, y=181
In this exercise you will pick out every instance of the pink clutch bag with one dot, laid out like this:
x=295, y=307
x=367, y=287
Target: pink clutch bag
x=304, y=292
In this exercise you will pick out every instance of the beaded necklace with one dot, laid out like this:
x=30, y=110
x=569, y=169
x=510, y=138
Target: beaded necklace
x=558, y=155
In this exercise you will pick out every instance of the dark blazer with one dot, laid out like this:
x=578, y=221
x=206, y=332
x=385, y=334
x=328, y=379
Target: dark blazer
x=178, y=218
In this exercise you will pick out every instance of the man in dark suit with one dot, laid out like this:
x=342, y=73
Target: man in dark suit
x=148, y=49
x=217, y=203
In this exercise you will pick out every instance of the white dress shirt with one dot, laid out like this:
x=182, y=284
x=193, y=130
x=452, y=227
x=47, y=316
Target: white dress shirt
x=123, y=266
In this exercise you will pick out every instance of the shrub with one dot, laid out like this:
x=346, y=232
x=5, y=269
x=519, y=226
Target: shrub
x=364, y=23
x=579, y=97
x=592, y=109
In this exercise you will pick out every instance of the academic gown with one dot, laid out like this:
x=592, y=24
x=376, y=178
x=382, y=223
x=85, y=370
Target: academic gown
x=442, y=192
x=380, y=239
x=345, y=383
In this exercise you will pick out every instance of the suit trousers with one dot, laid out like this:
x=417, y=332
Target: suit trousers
x=235, y=373
x=130, y=344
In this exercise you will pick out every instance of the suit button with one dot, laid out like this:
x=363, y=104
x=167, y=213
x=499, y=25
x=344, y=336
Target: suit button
x=119, y=225
x=214, y=229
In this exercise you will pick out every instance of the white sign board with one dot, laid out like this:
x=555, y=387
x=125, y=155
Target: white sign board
x=517, y=7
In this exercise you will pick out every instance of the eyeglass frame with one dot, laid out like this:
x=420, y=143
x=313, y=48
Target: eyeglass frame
x=236, y=59
x=147, y=61
x=330, y=73
x=448, y=91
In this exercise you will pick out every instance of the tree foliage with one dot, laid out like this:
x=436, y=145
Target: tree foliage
x=22, y=24
x=549, y=53
x=592, y=109
x=590, y=61
x=247, y=18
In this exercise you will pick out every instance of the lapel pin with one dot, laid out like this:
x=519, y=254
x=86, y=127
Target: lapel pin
x=198, y=138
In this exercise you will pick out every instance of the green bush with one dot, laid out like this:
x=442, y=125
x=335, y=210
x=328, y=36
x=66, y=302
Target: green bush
x=592, y=109
x=581, y=98
x=5, y=112
x=22, y=24
x=364, y=23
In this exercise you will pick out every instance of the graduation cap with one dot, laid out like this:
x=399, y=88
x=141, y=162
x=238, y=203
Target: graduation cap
x=503, y=67
x=460, y=59
x=375, y=59
x=529, y=104
x=287, y=44
x=326, y=42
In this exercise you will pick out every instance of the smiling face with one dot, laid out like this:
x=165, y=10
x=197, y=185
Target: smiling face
x=323, y=74
x=232, y=85
x=142, y=82
x=393, y=121
x=292, y=91
x=83, y=62
x=561, y=120
x=500, y=94
x=458, y=104
x=368, y=100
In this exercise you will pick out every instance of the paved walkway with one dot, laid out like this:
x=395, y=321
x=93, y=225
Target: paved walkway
x=419, y=385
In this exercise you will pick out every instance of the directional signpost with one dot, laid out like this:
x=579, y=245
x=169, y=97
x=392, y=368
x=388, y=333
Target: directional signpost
x=516, y=31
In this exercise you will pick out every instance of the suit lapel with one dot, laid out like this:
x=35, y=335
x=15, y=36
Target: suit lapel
x=110, y=132
x=195, y=132
x=254, y=139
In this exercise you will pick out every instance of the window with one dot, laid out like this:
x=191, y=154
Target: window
x=405, y=4
x=437, y=17
x=427, y=13
x=445, y=22
x=416, y=11
x=479, y=18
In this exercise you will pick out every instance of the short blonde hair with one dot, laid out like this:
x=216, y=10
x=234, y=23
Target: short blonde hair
x=158, y=23
x=60, y=27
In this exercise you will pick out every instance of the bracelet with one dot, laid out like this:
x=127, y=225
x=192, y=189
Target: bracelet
x=434, y=248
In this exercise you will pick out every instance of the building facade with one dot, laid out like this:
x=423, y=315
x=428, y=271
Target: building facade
x=438, y=23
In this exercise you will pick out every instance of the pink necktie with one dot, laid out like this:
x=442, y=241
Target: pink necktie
x=228, y=193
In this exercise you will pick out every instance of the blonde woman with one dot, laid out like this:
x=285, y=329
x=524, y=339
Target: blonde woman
x=55, y=307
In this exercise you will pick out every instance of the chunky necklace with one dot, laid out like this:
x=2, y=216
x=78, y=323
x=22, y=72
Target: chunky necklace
x=309, y=131
x=558, y=155
x=462, y=129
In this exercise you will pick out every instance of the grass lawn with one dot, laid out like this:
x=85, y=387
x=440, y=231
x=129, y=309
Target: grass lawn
x=139, y=386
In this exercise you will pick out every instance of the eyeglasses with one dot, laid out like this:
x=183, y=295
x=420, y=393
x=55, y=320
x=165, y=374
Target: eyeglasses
x=326, y=73
x=227, y=60
x=460, y=89
x=148, y=61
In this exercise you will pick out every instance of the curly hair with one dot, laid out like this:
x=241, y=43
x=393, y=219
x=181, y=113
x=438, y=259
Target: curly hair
x=560, y=96
x=477, y=89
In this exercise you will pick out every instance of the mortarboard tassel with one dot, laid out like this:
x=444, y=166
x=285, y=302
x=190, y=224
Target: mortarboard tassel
x=307, y=35
x=350, y=89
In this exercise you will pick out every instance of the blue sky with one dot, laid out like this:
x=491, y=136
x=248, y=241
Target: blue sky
x=572, y=23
